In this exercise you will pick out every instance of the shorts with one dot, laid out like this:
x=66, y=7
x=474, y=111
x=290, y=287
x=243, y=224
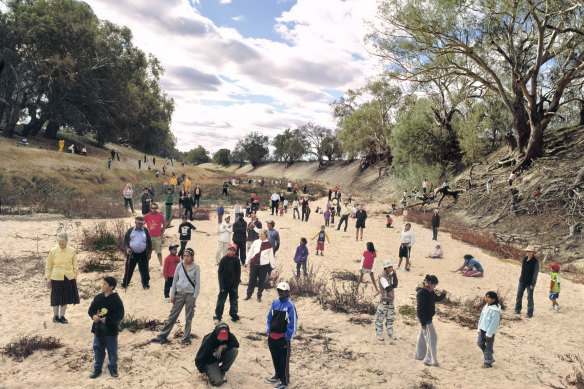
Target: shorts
x=404, y=252
x=365, y=271
x=360, y=224
x=554, y=295
x=319, y=246
x=157, y=244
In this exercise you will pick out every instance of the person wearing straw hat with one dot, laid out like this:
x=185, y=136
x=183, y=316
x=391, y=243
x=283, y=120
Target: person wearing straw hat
x=427, y=338
x=527, y=280
x=385, y=309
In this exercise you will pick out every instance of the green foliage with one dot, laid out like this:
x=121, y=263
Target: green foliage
x=253, y=148
x=289, y=146
x=222, y=157
x=197, y=155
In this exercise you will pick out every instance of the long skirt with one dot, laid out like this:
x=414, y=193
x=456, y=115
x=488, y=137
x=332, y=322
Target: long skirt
x=64, y=292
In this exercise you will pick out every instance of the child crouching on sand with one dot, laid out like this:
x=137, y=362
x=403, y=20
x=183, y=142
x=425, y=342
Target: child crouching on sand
x=301, y=257
x=488, y=326
x=555, y=286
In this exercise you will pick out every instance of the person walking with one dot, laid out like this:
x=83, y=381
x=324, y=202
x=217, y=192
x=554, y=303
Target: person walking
x=240, y=236
x=128, y=194
x=406, y=242
x=360, y=216
x=184, y=292
x=261, y=259
x=435, y=224
x=138, y=247
x=426, y=309
x=527, y=280
x=61, y=271
x=229, y=275
x=217, y=353
x=156, y=226
x=344, y=213
x=225, y=230
x=385, y=309
x=281, y=327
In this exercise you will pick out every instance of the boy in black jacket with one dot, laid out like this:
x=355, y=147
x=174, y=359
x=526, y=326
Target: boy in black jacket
x=106, y=311
x=426, y=297
x=217, y=353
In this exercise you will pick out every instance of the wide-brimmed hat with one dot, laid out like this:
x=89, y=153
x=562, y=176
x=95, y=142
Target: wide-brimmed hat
x=529, y=248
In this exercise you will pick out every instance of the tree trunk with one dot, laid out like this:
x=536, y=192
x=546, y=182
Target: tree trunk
x=51, y=130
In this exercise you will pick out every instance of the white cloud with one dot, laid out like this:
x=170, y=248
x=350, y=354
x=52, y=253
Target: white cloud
x=277, y=85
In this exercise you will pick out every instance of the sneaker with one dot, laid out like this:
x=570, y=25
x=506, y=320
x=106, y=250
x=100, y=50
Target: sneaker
x=380, y=338
x=63, y=320
x=56, y=319
x=281, y=385
x=272, y=380
x=95, y=374
x=167, y=299
x=114, y=373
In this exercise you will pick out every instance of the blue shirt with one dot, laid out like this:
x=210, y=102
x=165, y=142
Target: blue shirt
x=138, y=240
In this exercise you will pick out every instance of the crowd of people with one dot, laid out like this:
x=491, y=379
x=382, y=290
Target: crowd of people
x=246, y=243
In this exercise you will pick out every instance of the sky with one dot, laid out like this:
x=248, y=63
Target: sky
x=235, y=66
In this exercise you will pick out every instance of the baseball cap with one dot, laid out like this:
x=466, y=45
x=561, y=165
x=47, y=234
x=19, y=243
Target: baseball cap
x=387, y=263
x=223, y=334
x=232, y=246
x=283, y=286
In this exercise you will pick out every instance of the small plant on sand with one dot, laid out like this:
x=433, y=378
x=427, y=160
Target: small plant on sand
x=26, y=345
x=346, y=298
x=134, y=324
x=311, y=285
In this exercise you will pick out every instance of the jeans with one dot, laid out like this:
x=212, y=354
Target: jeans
x=518, y=302
x=257, y=276
x=434, y=233
x=280, y=350
x=233, y=295
x=486, y=344
x=426, y=345
x=296, y=212
x=385, y=310
x=216, y=370
x=303, y=264
x=130, y=202
x=344, y=218
x=188, y=301
x=142, y=261
x=100, y=345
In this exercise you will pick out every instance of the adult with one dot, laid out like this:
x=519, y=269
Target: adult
x=261, y=259
x=138, y=247
x=253, y=228
x=361, y=216
x=527, y=280
x=217, y=353
x=229, y=275
x=225, y=230
x=61, y=271
x=426, y=308
x=344, y=212
x=304, y=205
x=435, y=224
x=197, y=192
x=273, y=236
x=146, y=198
x=281, y=327
x=470, y=268
x=128, y=195
x=295, y=205
x=156, y=226
x=407, y=240
x=240, y=236
x=184, y=292
x=385, y=310
x=275, y=202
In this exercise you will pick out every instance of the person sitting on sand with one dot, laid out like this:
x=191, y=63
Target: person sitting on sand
x=471, y=267
x=437, y=252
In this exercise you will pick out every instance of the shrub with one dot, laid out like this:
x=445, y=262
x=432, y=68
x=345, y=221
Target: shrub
x=346, y=298
x=26, y=345
x=134, y=324
x=310, y=285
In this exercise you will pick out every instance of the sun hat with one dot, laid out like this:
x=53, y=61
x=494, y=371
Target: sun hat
x=283, y=286
x=387, y=263
x=529, y=248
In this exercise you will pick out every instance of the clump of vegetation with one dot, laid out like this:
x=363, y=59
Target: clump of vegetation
x=311, y=285
x=26, y=345
x=346, y=298
x=134, y=324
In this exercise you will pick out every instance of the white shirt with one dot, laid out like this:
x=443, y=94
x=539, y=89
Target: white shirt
x=408, y=238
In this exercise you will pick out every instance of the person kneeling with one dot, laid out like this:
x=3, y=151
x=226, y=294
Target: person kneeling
x=217, y=353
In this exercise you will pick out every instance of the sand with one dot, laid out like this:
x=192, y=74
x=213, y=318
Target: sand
x=330, y=352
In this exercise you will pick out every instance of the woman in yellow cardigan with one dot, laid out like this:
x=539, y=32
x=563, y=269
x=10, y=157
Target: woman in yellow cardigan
x=61, y=270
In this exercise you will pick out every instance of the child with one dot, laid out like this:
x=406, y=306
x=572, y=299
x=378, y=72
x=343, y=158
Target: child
x=555, y=286
x=301, y=257
x=106, y=311
x=184, y=233
x=389, y=221
x=368, y=264
x=327, y=216
x=170, y=263
x=220, y=212
x=488, y=324
x=385, y=309
x=320, y=241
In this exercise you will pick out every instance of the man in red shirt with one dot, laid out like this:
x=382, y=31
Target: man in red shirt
x=156, y=225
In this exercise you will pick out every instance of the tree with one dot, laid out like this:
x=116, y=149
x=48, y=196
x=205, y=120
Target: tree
x=526, y=52
x=289, y=146
x=253, y=148
x=197, y=155
x=222, y=157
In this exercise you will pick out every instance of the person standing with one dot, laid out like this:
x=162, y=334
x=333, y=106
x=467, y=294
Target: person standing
x=407, y=241
x=360, y=216
x=281, y=327
x=435, y=224
x=128, y=194
x=229, y=274
x=527, y=280
x=225, y=230
x=240, y=236
x=385, y=309
x=168, y=201
x=261, y=259
x=198, y=194
x=273, y=236
x=184, y=292
x=61, y=271
x=344, y=213
x=156, y=226
x=106, y=311
x=138, y=245
x=217, y=353
x=427, y=338
x=184, y=234
x=253, y=228
x=275, y=202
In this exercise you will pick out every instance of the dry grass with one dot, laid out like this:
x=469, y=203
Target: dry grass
x=24, y=346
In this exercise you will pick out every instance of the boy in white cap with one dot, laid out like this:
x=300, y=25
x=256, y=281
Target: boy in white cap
x=385, y=309
x=282, y=324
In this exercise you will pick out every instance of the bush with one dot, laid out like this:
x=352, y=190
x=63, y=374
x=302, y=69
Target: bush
x=134, y=324
x=308, y=286
x=346, y=298
x=26, y=345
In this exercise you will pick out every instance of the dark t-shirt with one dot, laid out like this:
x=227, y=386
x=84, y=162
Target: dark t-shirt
x=184, y=231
